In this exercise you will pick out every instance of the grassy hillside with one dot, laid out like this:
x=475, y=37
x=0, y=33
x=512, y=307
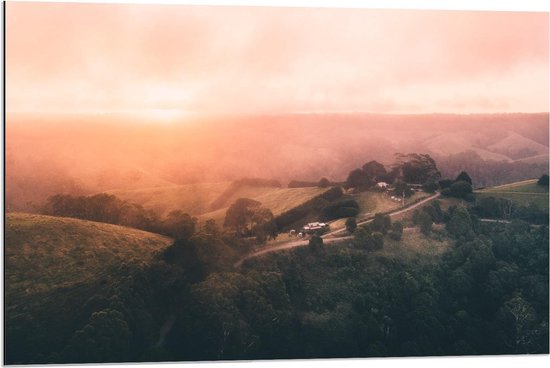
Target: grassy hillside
x=58, y=271
x=197, y=199
x=278, y=200
x=517, y=146
x=44, y=253
x=191, y=198
x=452, y=143
x=523, y=193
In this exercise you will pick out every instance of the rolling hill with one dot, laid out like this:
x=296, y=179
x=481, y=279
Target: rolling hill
x=444, y=144
x=45, y=253
x=516, y=146
x=101, y=154
x=58, y=272
x=198, y=199
x=191, y=198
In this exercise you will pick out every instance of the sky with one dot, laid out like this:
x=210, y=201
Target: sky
x=165, y=60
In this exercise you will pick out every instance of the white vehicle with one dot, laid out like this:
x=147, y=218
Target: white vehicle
x=313, y=227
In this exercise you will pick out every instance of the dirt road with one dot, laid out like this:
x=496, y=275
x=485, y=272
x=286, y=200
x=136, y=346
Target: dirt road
x=330, y=236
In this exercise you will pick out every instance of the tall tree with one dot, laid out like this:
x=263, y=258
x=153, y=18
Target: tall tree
x=374, y=170
x=351, y=225
x=417, y=168
x=464, y=177
x=359, y=179
x=179, y=225
x=239, y=215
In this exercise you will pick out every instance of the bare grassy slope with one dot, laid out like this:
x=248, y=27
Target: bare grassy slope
x=191, y=198
x=197, y=199
x=278, y=200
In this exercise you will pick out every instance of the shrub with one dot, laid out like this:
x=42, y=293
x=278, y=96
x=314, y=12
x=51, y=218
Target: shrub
x=351, y=225
x=396, y=231
x=543, y=180
x=316, y=243
x=425, y=222
x=323, y=183
x=445, y=183
x=377, y=241
x=463, y=176
x=341, y=209
x=460, y=189
x=381, y=223
x=430, y=187
x=460, y=223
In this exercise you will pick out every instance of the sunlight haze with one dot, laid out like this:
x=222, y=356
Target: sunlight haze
x=81, y=58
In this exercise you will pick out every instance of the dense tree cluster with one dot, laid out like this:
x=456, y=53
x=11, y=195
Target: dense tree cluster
x=428, y=215
x=411, y=168
x=310, y=208
x=340, y=209
x=402, y=189
x=461, y=187
x=417, y=168
x=502, y=208
x=365, y=238
x=112, y=210
x=366, y=176
x=396, y=231
x=248, y=218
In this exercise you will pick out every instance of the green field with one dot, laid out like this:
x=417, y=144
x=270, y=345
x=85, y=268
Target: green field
x=522, y=193
x=45, y=253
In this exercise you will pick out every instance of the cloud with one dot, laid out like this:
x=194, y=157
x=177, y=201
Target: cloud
x=112, y=57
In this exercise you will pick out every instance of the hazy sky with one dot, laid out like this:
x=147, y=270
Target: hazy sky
x=102, y=58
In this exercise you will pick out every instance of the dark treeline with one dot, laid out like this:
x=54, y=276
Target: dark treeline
x=501, y=208
x=112, y=210
x=411, y=168
x=322, y=183
x=308, y=210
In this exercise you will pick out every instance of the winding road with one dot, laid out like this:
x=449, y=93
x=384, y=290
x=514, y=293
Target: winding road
x=330, y=236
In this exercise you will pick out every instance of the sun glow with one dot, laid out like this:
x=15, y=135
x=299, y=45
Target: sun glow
x=164, y=115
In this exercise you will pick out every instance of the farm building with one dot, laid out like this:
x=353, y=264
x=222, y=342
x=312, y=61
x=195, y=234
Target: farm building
x=314, y=227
